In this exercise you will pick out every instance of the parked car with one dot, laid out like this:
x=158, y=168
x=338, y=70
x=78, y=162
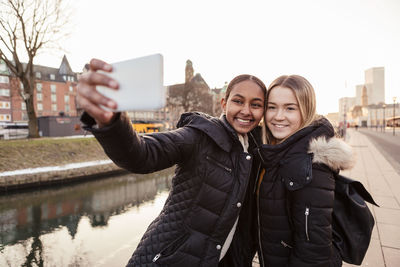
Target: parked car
x=13, y=130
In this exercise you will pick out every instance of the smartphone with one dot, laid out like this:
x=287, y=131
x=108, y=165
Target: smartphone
x=141, y=85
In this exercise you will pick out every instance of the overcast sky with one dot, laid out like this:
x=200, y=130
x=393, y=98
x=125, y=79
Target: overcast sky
x=331, y=43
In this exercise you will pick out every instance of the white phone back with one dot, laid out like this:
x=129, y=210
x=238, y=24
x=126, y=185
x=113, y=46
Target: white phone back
x=140, y=84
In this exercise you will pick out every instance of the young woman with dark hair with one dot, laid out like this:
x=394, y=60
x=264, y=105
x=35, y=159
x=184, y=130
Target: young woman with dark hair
x=201, y=223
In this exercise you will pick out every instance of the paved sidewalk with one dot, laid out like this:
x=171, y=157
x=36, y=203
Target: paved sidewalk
x=382, y=181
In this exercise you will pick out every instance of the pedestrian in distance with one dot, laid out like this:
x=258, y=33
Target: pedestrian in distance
x=295, y=188
x=207, y=216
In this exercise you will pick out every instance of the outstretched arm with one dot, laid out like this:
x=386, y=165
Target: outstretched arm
x=147, y=153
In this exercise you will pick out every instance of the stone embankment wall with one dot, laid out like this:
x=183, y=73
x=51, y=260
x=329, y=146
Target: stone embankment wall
x=32, y=155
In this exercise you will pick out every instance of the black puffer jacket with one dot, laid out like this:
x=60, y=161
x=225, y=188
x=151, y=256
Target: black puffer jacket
x=295, y=198
x=208, y=190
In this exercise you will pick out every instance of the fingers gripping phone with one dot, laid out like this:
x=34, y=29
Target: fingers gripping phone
x=140, y=84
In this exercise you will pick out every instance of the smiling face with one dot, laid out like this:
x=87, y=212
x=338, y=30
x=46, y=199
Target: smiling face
x=283, y=114
x=244, y=107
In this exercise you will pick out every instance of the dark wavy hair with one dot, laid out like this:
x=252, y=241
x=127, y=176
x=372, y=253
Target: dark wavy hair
x=245, y=77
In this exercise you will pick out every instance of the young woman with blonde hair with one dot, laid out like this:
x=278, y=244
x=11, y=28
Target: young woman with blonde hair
x=295, y=188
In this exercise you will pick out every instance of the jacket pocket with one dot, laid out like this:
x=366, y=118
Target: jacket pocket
x=286, y=245
x=219, y=164
x=171, y=248
x=306, y=222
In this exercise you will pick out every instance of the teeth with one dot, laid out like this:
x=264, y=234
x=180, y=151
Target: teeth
x=279, y=126
x=241, y=120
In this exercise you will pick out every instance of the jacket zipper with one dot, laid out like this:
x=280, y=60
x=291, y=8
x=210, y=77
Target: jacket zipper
x=258, y=178
x=307, y=213
x=259, y=227
x=286, y=245
x=219, y=164
x=158, y=255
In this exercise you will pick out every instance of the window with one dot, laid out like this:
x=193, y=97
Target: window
x=39, y=106
x=4, y=92
x=66, y=99
x=71, y=89
x=54, y=107
x=65, y=77
x=5, y=117
x=4, y=104
x=53, y=88
x=67, y=108
x=52, y=77
x=39, y=87
x=39, y=97
x=23, y=105
x=3, y=66
x=4, y=79
x=53, y=98
x=38, y=75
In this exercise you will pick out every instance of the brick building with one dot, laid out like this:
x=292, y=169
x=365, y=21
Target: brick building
x=54, y=93
x=5, y=94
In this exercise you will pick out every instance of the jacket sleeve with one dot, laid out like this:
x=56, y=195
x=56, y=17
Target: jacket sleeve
x=147, y=153
x=311, y=212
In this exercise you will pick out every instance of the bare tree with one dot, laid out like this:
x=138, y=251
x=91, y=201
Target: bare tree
x=27, y=27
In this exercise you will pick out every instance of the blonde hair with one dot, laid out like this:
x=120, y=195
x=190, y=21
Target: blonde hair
x=305, y=96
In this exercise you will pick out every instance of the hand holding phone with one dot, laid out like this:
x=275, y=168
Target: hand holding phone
x=140, y=84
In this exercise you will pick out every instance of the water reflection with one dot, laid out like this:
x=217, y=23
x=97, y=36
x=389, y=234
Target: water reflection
x=31, y=224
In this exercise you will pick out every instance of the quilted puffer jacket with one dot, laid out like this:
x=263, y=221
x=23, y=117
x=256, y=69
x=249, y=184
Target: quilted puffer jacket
x=295, y=198
x=208, y=189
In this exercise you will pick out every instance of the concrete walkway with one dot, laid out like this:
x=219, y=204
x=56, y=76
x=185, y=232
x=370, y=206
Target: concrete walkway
x=383, y=182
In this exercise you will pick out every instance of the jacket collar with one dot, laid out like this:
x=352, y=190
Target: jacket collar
x=219, y=130
x=297, y=143
x=317, y=140
x=214, y=128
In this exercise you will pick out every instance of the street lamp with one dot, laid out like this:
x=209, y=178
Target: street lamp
x=394, y=113
x=384, y=122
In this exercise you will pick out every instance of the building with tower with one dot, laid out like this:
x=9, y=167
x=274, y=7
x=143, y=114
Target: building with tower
x=368, y=107
x=192, y=95
x=373, y=89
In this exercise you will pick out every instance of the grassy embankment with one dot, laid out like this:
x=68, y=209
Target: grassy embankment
x=32, y=153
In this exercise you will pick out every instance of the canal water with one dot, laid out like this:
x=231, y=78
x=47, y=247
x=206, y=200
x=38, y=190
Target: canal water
x=96, y=223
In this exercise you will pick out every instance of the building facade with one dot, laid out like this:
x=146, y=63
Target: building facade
x=368, y=107
x=192, y=95
x=373, y=89
x=5, y=94
x=54, y=93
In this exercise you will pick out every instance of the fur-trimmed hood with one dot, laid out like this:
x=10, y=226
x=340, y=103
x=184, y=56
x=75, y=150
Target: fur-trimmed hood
x=316, y=143
x=333, y=152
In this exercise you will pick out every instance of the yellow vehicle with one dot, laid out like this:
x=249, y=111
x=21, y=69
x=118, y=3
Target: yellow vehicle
x=147, y=126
